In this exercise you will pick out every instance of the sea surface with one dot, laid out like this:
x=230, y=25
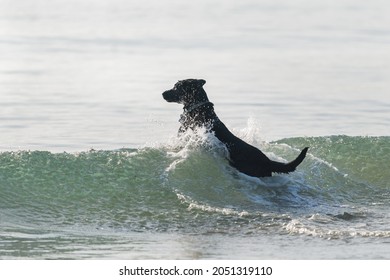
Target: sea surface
x=91, y=166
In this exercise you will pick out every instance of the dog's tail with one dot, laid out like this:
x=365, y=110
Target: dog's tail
x=280, y=167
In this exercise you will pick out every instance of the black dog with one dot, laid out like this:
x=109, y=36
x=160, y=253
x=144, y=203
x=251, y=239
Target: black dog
x=199, y=111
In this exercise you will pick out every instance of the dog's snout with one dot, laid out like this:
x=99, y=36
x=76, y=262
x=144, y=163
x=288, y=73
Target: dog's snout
x=165, y=94
x=171, y=96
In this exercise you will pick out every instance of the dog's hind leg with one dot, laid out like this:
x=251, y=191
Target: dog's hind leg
x=280, y=167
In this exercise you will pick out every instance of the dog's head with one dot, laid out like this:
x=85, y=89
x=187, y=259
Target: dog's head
x=186, y=92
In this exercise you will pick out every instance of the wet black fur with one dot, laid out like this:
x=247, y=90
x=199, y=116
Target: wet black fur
x=199, y=111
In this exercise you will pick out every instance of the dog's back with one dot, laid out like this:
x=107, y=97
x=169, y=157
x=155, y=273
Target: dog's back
x=250, y=160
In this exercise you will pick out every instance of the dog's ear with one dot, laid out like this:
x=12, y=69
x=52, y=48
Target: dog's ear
x=200, y=83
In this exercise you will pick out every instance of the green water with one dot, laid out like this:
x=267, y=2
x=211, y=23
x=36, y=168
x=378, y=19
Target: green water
x=340, y=192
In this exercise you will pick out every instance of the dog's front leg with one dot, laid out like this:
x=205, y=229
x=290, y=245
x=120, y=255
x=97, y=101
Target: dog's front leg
x=182, y=130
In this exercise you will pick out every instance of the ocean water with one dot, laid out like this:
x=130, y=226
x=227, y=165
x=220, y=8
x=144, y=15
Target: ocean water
x=90, y=163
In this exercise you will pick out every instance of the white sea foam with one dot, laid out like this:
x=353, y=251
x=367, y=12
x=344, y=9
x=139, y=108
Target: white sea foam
x=207, y=208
